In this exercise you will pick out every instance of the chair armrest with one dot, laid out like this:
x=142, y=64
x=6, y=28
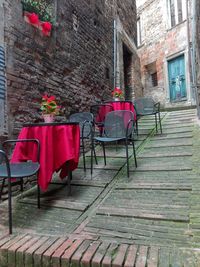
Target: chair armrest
x=3, y=156
x=36, y=141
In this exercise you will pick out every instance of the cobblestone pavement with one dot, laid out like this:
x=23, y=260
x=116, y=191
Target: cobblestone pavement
x=151, y=219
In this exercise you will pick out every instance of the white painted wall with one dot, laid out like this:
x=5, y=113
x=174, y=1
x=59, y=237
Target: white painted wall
x=140, y=2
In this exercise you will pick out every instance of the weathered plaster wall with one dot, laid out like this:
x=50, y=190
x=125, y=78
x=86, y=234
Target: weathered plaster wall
x=159, y=44
x=71, y=64
x=198, y=44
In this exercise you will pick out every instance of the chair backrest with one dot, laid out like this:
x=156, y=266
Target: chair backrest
x=4, y=159
x=119, y=123
x=85, y=120
x=99, y=112
x=1, y=154
x=144, y=105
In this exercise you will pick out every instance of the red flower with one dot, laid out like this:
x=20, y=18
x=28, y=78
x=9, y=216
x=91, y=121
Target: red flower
x=45, y=97
x=117, y=92
x=51, y=98
x=49, y=105
x=46, y=27
x=33, y=18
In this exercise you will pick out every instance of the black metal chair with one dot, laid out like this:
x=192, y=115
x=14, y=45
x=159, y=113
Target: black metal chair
x=146, y=106
x=19, y=170
x=99, y=112
x=86, y=123
x=118, y=126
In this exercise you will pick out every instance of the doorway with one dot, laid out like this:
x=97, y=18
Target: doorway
x=127, y=60
x=176, y=76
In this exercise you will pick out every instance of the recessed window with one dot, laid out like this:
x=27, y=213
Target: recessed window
x=107, y=73
x=154, y=79
x=151, y=75
x=139, y=36
x=177, y=11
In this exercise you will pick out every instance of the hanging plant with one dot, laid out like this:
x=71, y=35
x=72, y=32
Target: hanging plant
x=39, y=13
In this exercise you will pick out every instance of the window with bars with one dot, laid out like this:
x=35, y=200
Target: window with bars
x=154, y=79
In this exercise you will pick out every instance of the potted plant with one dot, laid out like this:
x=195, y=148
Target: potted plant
x=117, y=94
x=39, y=14
x=49, y=108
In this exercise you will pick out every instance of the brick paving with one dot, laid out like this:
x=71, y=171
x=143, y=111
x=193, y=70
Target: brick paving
x=151, y=219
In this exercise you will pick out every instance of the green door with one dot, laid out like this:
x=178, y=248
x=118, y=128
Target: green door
x=176, y=72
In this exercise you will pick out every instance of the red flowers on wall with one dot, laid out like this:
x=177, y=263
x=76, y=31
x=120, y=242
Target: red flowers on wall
x=33, y=19
x=46, y=27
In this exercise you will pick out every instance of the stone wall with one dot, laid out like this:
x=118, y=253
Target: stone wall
x=75, y=64
x=198, y=47
x=161, y=43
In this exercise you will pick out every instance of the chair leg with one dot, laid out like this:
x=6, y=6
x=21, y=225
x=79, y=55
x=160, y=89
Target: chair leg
x=92, y=150
x=2, y=186
x=127, y=159
x=38, y=195
x=134, y=153
x=10, y=205
x=160, y=122
x=69, y=181
x=83, y=146
x=104, y=153
x=95, y=156
x=21, y=185
x=156, y=123
x=136, y=123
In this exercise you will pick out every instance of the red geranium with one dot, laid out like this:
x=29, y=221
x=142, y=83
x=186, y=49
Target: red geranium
x=46, y=27
x=49, y=105
x=117, y=92
x=33, y=19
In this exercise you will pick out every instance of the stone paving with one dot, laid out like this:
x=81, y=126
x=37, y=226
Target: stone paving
x=151, y=219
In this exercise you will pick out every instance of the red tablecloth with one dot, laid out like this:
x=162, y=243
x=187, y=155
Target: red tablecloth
x=122, y=105
x=59, y=144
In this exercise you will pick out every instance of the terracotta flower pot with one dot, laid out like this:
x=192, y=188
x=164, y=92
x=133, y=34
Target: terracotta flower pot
x=48, y=118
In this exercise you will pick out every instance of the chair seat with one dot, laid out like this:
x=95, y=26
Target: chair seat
x=147, y=111
x=108, y=139
x=20, y=169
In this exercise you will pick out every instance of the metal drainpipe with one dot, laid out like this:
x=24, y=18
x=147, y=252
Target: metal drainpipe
x=194, y=78
x=114, y=52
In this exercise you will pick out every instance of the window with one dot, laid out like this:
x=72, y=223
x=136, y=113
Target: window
x=177, y=11
x=139, y=36
x=151, y=75
x=107, y=73
x=172, y=12
x=154, y=79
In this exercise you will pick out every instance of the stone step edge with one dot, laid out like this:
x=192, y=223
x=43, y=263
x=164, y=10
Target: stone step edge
x=20, y=250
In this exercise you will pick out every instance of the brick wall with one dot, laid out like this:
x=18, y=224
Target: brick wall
x=71, y=64
x=75, y=63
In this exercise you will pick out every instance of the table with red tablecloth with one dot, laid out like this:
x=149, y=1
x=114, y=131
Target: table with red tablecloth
x=59, y=149
x=123, y=105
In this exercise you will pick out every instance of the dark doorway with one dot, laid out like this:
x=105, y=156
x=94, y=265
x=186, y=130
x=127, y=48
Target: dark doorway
x=127, y=58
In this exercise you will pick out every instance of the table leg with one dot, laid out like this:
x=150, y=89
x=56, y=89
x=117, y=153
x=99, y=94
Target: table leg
x=69, y=177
